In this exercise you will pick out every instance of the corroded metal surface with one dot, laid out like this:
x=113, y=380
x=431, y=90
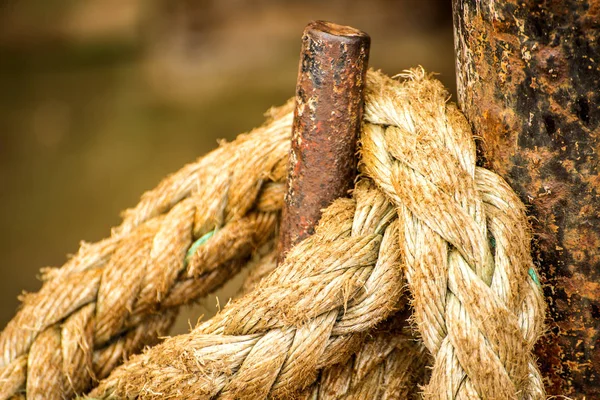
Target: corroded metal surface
x=529, y=83
x=329, y=105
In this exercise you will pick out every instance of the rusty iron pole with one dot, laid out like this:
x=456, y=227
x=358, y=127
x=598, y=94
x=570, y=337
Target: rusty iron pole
x=327, y=118
x=528, y=77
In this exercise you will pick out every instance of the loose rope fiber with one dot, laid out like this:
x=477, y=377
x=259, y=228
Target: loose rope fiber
x=422, y=216
x=422, y=210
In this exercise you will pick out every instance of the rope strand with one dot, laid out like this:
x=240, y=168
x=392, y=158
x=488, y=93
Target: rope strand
x=118, y=295
x=302, y=315
x=421, y=155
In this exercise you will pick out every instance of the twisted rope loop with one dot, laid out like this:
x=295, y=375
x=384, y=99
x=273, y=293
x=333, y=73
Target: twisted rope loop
x=422, y=211
x=465, y=242
x=311, y=311
x=465, y=252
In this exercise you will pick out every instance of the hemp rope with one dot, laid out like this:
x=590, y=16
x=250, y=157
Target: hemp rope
x=423, y=158
x=389, y=364
x=146, y=211
x=342, y=280
x=120, y=294
x=456, y=231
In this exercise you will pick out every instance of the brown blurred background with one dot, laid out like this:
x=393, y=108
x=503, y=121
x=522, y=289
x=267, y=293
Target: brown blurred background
x=100, y=99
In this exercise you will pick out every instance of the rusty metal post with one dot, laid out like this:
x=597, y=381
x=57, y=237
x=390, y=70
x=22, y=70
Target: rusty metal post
x=528, y=78
x=327, y=118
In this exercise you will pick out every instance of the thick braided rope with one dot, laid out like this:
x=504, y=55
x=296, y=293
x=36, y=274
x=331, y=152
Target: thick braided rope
x=390, y=364
x=465, y=241
x=476, y=307
x=528, y=323
x=311, y=312
x=116, y=296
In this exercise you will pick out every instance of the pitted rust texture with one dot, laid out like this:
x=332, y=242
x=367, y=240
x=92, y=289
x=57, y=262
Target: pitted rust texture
x=329, y=106
x=528, y=80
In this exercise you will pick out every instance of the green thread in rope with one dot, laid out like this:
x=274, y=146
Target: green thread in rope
x=197, y=244
x=534, y=276
x=531, y=271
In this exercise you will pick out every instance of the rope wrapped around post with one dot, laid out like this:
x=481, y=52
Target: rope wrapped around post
x=312, y=310
x=422, y=210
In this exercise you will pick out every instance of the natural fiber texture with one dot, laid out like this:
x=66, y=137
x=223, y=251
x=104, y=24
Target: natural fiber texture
x=456, y=231
x=118, y=295
x=263, y=265
x=390, y=364
x=422, y=211
x=311, y=311
x=465, y=240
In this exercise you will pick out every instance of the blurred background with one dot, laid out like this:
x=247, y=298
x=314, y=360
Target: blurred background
x=100, y=99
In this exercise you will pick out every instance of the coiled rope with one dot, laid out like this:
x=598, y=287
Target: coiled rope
x=422, y=215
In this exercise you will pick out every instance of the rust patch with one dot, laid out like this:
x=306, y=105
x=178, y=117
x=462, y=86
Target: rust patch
x=329, y=106
x=528, y=75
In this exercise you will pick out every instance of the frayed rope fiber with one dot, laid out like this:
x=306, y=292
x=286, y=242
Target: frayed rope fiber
x=329, y=322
